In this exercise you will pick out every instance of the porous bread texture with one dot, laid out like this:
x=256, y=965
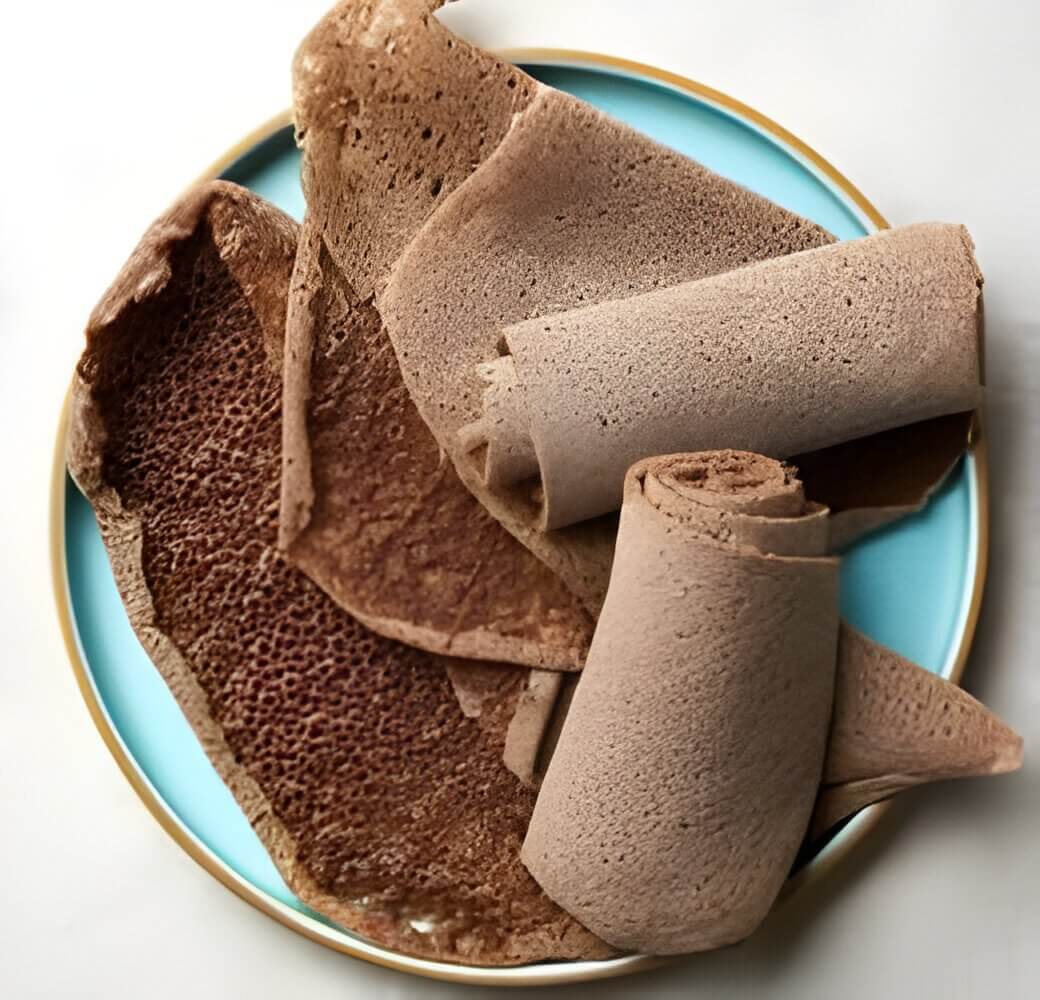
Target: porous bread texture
x=571, y=208
x=785, y=356
x=383, y=806
x=686, y=770
x=424, y=565
x=896, y=725
x=390, y=106
x=371, y=508
x=394, y=114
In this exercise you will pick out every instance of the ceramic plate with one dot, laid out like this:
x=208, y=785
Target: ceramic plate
x=914, y=587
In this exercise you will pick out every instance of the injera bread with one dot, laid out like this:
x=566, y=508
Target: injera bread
x=896, y=725
x=684, y=777
x=383, y=807
x=393, y=114
x=570, y=210
x=538, y=701
x=386, y=528
x=372, y=510
x=789, y=355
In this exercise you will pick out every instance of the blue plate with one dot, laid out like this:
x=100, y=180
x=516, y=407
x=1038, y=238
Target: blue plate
x=914, y=587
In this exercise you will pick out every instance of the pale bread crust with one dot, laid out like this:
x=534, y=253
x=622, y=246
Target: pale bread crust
x=789, y=355
x=684, y=778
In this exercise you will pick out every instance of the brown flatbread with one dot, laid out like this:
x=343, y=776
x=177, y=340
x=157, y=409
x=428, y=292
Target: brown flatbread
x=784, y=356
x=686, y=771
x=681, y=780
x=896, y=725
x=393, y=113
x=387, y=529
x=877, y=746
x=371, y=508
x=383, y=806
x=572, y=209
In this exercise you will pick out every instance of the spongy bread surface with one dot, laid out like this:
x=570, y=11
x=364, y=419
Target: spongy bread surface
x=396, y=117
x=382, y=805
x=785, y=356
x=897, y=725
x=389, y=532
x=685, y=774
x=392, y=112
x=571, y=208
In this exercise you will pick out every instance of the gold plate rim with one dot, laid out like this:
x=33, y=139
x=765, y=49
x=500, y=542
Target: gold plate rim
x=547, y=973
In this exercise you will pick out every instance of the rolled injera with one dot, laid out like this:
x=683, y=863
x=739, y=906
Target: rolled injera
x=786, y=356
x=395, y=116
x=570, y=210
x=382, y=805
x=895, y=725
x=687, y=770
x=684, y=778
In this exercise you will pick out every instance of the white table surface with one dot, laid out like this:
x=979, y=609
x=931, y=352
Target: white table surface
x=110, y=108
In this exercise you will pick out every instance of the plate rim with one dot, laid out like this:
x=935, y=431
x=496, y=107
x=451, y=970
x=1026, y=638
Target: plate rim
x=339, y=939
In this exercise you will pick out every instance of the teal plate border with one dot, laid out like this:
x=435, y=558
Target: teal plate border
x=915, y=587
